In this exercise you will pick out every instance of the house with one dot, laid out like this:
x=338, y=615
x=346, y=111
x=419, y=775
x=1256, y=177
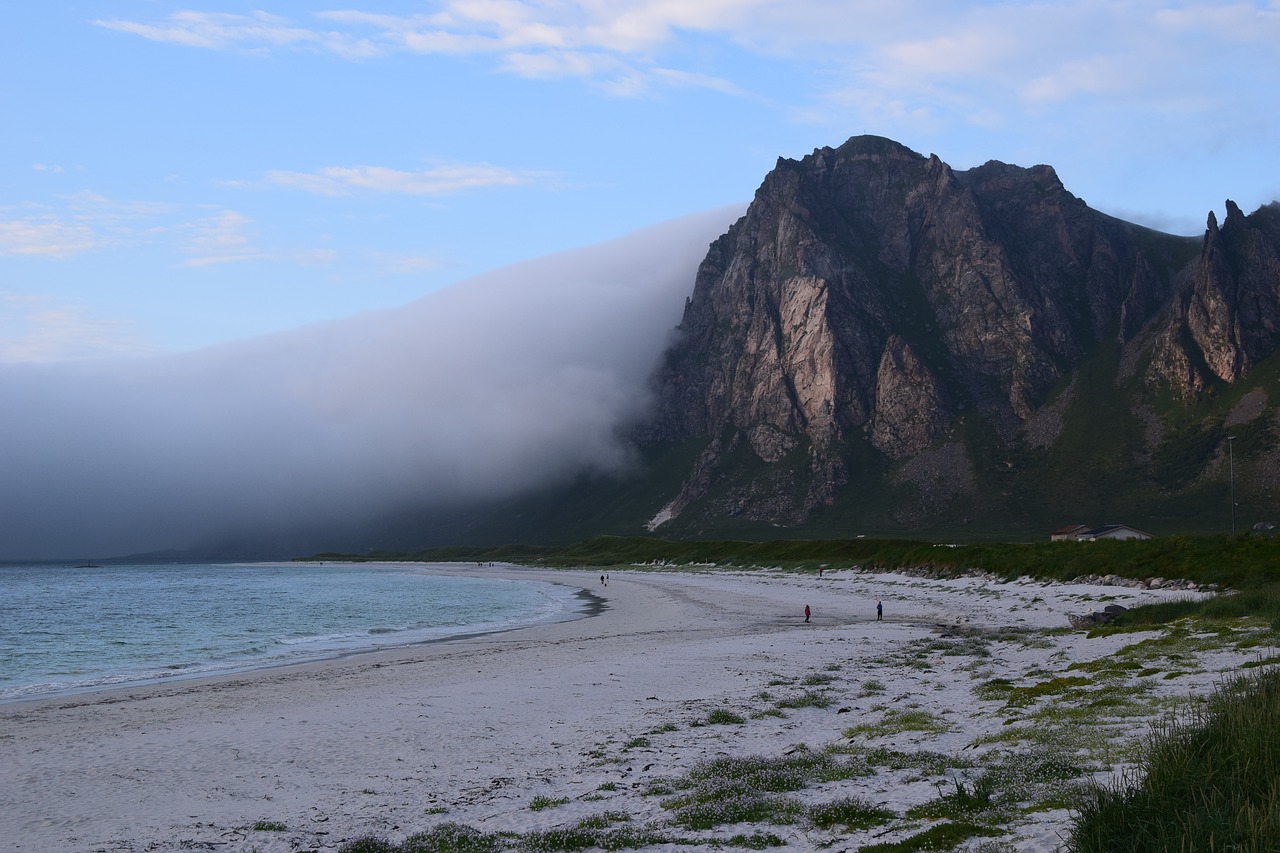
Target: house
x=1112, y=531
x=1085, y=533
x=1068, y=533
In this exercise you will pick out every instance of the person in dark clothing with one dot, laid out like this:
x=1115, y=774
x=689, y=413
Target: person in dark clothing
x=879, y=610
x=806, y=613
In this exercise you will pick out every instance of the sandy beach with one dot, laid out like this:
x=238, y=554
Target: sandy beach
x=591, y=716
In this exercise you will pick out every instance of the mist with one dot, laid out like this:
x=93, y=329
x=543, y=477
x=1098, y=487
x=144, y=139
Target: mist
x=506, y=382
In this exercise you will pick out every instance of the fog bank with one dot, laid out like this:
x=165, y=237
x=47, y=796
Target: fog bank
x=507, y=381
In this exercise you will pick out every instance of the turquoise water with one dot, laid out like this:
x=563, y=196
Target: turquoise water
x=66, y=629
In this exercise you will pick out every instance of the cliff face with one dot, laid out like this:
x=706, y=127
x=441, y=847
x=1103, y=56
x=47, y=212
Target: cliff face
x=1228, y=320
x=873, y=295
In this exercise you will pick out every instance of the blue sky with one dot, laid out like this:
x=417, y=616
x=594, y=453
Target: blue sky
x=185, y=174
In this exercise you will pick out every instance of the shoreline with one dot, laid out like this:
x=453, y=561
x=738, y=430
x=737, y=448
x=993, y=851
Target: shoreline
x=585, y=605
x=588, y=714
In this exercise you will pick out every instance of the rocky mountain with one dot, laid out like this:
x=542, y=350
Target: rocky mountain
x=884, y=343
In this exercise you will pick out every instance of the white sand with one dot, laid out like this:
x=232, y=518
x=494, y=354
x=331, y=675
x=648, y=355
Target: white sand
x=394, y=742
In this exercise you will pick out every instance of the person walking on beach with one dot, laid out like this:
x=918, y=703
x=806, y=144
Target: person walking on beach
x=879, y=610
x=806, y=613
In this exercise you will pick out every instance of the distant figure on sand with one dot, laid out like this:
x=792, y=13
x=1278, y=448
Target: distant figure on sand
x=879, y=610
x=602, y=580
x=806, y=613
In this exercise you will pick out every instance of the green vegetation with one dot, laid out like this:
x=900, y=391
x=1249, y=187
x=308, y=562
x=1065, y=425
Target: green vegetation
x=541, y=802
x=1207, y=781
x=896, y=722
x=445, y=838
x=1240, y=563
x=596, y=831
x=722, y=717
x=1248, y=565
x=808, y=699
x=269, y=826
x=608, y=831
x=734, y=790
x=849, y=814
x=942, y=836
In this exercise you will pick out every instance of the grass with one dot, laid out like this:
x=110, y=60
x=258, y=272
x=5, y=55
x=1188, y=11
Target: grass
x=1241, y=563
x=849, y=814
x=600, y=832
x=817, y=679
x=751, y=789
x=269, y=826
x=722, y=717
x=808, y=699
x=541, y=802
x=1018, y=697
x=896, y=722
x=1207, y=781
x=942, y=836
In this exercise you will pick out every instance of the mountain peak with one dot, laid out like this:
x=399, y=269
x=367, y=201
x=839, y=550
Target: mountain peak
x=871, y=297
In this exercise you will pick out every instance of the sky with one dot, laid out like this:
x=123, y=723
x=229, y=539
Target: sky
x=184, y=182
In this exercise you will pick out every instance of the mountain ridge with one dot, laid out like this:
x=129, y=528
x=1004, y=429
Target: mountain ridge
x=872, y=295
x=885, y=346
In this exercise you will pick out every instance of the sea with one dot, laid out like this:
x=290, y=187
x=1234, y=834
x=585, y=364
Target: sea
x=71, y=629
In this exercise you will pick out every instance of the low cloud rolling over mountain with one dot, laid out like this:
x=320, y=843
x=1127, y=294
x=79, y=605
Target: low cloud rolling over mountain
x=511, y=380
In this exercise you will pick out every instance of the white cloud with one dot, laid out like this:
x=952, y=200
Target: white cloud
x=49, y=235
x=1031, y=51
x=441, y=180
x=610, y=44
x=257, y=31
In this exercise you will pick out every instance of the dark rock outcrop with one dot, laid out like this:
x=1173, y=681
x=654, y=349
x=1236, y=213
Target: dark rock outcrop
x=873, y=293
x=1228, y=320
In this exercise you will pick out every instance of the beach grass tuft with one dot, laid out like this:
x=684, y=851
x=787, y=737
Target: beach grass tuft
x=850, y=813
x=541, y=802
x=369, y=844
x=1206, y=781
x=808, y=699
x=942, y=836
x=751, y=789
x=451, y=838
x=722, y=716
x=896, y=722
x=269, y=826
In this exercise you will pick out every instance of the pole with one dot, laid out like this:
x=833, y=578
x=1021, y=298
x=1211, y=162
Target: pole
x=1231, y=464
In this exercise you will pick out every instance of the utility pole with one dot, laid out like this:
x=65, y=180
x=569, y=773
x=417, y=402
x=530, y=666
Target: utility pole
x=1231, y=466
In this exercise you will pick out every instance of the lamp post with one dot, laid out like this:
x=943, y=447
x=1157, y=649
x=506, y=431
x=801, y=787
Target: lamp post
x=1231, y=466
